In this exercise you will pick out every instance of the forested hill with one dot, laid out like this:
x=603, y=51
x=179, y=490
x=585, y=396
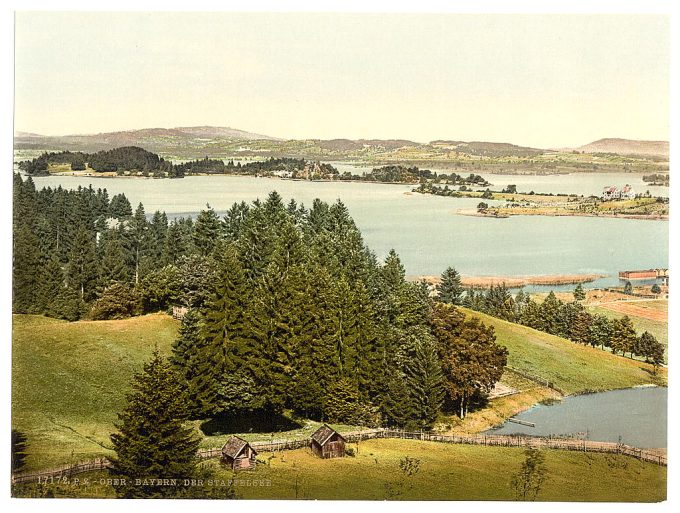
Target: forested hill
x=138, y=161
x=120, y=160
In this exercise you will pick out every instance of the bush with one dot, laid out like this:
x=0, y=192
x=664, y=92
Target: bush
x=116, y=302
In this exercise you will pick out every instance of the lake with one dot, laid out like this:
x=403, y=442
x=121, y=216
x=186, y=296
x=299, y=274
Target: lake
x=637, y=415
x=424, y=229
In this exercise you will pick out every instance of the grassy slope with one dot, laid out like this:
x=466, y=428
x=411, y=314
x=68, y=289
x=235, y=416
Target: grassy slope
x=70, y=379
x=447, y=472
x=657, y=328
x=572, y=367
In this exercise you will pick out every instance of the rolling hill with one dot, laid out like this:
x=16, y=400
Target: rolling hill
x=70, y=379
x=153, y=139
x=627, y=147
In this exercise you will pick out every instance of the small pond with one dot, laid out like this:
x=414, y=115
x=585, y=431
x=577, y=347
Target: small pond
x=637, y=415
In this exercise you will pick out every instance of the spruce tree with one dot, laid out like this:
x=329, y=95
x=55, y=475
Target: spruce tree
x=191, y=358
x=139, y=241
x=51, y=286
x=450, y=289
x=26, y=266
x=82, y=266
x=113, y=266
x=226, y=332
x=395, y=400
x=425, y=384
x=152, y=442
x=207, y=231
x=579, y=293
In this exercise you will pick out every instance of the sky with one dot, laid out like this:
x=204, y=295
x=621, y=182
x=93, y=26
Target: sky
x=545, y=81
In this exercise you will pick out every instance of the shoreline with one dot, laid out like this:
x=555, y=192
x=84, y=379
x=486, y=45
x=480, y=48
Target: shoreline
x=505, y=214
x=515, y=281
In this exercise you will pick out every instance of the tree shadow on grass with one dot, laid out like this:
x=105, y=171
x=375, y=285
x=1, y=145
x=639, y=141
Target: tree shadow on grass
x=248, y=422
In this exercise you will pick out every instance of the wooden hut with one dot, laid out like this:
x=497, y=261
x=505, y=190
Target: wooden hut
x=178, y=312
x=328, y=443
x=238, y=454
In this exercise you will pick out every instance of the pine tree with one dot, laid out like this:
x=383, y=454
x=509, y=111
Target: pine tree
x=579, y=293
x=342, y=402
x=178, y=241
x=207, y=231
x=425, y=384
x=120, y=207
x=82, y=266
x=600, y=331
x=450, y=289
x=151, y=442
x=158, y=229
x=226, y=331
x=580, y=329
x=139, y=241
x=51, y=286
x=395, y=400
x=550, y=313
x=26, y=266
x=113, y=267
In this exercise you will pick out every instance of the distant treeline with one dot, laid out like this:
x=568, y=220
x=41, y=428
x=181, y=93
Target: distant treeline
x=404, y=174
x=134, y=159
x=657, y=179
x=569, y=320
x=289, y=167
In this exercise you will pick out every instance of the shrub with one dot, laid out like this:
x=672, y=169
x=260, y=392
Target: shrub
x=116, y=302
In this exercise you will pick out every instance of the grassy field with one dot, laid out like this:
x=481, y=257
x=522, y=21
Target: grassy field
x=447, y=472
x=571, y=367
x=70, y=379
x=657, y=328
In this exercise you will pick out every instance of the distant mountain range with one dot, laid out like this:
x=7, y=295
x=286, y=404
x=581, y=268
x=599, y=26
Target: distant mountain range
x=627, y=147
x=216, y=141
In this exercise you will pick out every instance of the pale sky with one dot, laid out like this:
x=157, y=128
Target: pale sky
x=537, y=80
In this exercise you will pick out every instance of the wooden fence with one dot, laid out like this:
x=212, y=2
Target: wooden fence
x=536, y=379
x=539, y=442
x=65, y=471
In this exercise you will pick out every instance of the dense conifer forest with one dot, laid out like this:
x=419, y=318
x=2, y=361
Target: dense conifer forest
x=287, y=307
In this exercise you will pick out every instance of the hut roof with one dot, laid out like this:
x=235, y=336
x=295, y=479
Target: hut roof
x=324, y=433
x=235, y=446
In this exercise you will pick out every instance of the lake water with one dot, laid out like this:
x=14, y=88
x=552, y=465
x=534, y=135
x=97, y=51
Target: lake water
x=637, y=415
x=425, y=230
x=585, y=184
